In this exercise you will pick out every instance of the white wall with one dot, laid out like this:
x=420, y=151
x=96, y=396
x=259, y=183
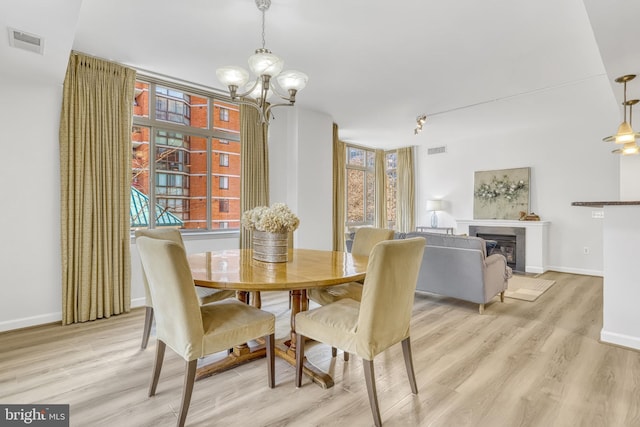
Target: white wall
x=621, y=286
x=301, y=172
x=30, y=289
x=629, y=178
x=562, y=146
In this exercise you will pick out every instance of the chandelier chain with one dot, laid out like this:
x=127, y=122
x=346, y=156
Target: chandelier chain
x=263, y=37
x=268, y=69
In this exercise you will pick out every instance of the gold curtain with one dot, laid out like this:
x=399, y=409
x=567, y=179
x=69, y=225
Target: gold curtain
x=95, y=175
x=254, y=186
x=339, y=167
x=381, y=190
x=405, y=204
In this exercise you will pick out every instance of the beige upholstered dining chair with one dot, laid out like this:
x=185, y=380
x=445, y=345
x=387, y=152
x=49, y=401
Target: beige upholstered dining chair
x=379, y=321
x=190, y=329
x=363, y=241
x=205, y=295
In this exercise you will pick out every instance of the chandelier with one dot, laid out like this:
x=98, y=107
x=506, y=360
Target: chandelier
x=265, y=66
x=625, y=135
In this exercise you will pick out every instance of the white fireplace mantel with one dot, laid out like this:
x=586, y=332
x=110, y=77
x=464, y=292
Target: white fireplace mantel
x=537, y=239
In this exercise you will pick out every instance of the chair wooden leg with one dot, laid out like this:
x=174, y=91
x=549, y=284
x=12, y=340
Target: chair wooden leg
x=334, y=351
x=370, y=378
x=502, y=296
x=157, y=367
x=346, y=356
x=189, y=379
x=481, y=308
x=271, y=339
x=146, y=331
x=408, y=362
x=299, y=359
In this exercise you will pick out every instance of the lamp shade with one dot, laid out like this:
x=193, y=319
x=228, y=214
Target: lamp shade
x=232, y=76
x=629, y=149
x=292, y=79
x=624, y=135
x=265, y=63
x=435, y=205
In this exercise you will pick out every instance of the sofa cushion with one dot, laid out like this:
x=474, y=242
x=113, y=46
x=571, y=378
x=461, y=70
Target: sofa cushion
x=451, y=241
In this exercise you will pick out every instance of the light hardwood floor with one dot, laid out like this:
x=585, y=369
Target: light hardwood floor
x=520, y=364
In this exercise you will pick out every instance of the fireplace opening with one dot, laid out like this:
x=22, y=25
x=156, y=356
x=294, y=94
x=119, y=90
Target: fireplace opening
x=510, y=242
x=505, y=245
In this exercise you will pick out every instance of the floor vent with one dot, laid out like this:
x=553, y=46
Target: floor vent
x=437, y=150
x=26, y=41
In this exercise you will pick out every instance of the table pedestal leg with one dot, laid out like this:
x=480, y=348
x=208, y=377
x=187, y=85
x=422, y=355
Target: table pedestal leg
x=284, y=349
x=240, y=354
x=287, y=349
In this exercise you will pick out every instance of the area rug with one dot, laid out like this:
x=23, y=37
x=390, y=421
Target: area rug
x=527, y=288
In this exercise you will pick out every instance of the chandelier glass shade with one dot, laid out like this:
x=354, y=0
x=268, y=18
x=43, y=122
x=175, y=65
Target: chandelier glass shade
x=266, y=67
x=625, y=135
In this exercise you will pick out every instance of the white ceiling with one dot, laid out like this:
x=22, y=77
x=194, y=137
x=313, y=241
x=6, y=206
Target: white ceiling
x=373, y=65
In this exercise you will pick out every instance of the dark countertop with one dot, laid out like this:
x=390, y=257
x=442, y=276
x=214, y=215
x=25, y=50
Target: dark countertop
x=603, y=204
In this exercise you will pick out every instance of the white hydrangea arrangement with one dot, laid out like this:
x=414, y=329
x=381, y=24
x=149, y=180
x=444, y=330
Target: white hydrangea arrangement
x=277, y=218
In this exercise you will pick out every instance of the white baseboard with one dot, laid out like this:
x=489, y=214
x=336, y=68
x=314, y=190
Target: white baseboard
x=26, y=322
x=620, y=339
x=572, y=270
x=138, y=302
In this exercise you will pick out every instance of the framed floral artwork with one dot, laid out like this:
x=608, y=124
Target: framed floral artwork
x=501, y=194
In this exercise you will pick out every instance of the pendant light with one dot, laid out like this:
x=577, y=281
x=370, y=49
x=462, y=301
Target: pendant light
x=625, y=134
x=629, y=148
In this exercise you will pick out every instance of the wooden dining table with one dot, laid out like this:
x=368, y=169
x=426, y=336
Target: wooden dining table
x=306, y=268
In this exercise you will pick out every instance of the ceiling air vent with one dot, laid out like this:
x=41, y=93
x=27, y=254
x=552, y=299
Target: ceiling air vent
x=26, y=41
x=436, y=150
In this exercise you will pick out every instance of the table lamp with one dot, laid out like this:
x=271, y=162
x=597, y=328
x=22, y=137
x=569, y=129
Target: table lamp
x=434, y=206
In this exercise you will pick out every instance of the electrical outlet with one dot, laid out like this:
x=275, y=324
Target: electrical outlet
x=585, y=250
x=597, y=214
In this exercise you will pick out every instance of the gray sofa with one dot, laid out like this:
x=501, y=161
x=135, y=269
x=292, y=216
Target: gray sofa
x=458, y=267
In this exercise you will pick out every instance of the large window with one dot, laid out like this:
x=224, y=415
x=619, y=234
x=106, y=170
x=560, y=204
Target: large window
x=179, y=146
x=361, y=189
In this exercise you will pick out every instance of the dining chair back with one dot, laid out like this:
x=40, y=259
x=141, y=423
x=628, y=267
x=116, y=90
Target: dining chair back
x=381, y=319
x=188, y=328
x=205, y=295
x=366, y=238
x=363, y=242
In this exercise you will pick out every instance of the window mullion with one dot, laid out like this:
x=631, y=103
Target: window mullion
x=209, y=184
x=152, y=177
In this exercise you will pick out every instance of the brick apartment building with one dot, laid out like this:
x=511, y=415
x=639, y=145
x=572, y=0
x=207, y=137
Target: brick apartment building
x=182, y=127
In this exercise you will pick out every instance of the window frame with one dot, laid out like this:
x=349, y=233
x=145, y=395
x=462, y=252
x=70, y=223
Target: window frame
x=150, y=121
x=366, y=169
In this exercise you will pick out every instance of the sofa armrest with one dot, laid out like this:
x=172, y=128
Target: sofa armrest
x=496, y=274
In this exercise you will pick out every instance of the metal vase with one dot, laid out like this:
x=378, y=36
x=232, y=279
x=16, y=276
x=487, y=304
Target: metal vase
x=270, y=247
